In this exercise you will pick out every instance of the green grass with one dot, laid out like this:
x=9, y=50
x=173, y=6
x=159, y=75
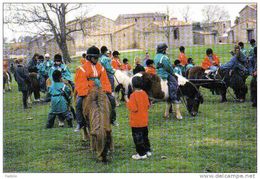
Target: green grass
x=222, y=138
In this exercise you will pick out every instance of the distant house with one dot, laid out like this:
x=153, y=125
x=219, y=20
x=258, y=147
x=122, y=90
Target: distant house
x=141, y=19
x=245, y=29
x=88, y=25
x=174, y=32
x=211, y=33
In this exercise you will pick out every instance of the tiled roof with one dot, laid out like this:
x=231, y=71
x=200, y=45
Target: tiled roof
x=126, y=16
x=112, y=30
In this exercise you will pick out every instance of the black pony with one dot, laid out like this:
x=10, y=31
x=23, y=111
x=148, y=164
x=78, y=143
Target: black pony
x=222, y=80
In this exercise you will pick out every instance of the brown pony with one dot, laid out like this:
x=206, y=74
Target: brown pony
x=223, y=80
x=34, y=87
x=7, y=79
x=96, y=110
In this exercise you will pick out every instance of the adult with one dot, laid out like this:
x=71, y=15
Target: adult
x=164, y=69
x=243, y=50
x=138, y=67
x=253, y=83
x=251, y=56
x=23, y=80
x=235, y=62
x=87, y=76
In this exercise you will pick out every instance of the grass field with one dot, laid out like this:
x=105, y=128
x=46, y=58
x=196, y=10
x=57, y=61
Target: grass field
x=221, y=138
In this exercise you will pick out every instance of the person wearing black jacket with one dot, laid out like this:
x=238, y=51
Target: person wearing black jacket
x=23, y=80
x=138, y=67
x=32, y=65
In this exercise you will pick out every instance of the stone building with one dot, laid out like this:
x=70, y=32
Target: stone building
x=245, y=28
x=175, y=33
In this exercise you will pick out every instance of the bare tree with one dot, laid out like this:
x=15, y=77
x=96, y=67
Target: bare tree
x=214, y=13
x=185, y=12
x=166, y=24
x=47, y=18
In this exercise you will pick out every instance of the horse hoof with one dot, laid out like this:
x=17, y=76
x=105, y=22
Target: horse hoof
x=166, y=116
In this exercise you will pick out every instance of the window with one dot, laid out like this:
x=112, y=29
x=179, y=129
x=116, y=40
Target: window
x=224, y=26
x=135, y=19
x=176, y=33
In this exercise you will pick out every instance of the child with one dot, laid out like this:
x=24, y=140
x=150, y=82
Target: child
x=126, y=66
x=58, y=65
x=150, y=67
x=190, y=64
x=60, y=99
x=138, y=105
x=138, y=68
x=22, y=78
x=182, y=56
x=177, y=67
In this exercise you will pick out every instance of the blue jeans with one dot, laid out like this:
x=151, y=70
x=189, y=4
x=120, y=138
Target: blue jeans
x=111, y=80
x=66, y=115
x=79, y=111
x=173, y=88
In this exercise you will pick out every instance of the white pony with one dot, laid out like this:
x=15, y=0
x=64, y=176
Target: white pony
x=122, y=79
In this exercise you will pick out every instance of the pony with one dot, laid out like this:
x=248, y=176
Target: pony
x=97, y=110
x=7, y=80
x=122, y=80
x=157, y=89
x=220, y=83
x=34, y=87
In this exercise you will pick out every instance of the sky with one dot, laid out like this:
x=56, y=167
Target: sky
x=113, y=10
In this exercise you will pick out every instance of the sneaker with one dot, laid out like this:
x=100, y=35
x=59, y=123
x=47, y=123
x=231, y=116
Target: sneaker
x=149, y=154
x=115, y=123
x=77, y=128
x=138, y=157
x=176, y=102
x=37, y=100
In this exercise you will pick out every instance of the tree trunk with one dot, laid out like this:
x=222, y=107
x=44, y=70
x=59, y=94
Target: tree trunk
x=65, y=52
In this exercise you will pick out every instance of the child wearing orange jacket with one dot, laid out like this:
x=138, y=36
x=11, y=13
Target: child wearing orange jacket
x=138, y=106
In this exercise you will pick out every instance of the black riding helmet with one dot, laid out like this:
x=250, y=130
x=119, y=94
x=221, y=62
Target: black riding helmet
x=161, y=47
x=209, y=51
x=93, y=52
x=115, y=53
x=103, y=49
x=57, y=58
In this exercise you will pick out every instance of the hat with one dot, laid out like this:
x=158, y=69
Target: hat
x=58, y=57
x=115, y=53
x=161, y=47
x=47, y=55
x=93, y=52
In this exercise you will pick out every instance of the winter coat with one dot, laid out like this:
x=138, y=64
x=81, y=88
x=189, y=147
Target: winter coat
x=106, y=63
x=32, y=66
x=22, y=78
x=183, y=59
x=60, y=97
x=88, y=76
x=66, y=74
x=163, y=66
x=207, y=63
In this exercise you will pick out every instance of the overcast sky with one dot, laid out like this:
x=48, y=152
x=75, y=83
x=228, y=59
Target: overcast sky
x=113, y=10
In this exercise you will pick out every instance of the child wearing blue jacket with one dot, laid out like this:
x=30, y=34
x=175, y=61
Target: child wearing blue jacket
x=60, y=99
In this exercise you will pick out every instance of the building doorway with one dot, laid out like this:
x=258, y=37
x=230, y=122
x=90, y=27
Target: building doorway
x=249, y=35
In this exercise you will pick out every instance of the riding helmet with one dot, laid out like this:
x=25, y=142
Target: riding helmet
x=161, y=47
x=93, y=52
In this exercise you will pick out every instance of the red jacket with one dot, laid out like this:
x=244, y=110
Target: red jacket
x=150, y=70
x=116, y=64
x=138, y=106
x=82, y=83
x=206, y=62
x=183, y=59
x=126, y=67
